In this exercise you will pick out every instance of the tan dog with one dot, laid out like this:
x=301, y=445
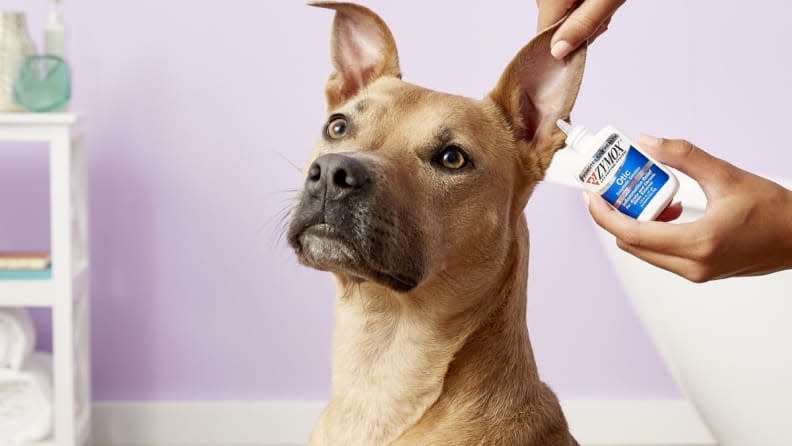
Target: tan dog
x=414, y=201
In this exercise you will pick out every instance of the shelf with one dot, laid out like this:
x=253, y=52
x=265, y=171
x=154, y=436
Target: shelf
x=11, y=119
x=37, y=292
x=67, y=292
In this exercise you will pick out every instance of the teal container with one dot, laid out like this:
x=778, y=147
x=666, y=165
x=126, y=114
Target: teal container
x=43, y=84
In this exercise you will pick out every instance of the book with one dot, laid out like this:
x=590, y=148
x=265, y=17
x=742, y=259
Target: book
x=24, y=261
x=30, y=274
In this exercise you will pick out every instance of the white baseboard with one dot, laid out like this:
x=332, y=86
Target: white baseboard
x=594, y=423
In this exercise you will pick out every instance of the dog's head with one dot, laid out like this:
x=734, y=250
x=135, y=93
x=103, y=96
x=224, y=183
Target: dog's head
x=406, y=183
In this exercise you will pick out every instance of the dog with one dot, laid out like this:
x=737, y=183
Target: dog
x=413, y=200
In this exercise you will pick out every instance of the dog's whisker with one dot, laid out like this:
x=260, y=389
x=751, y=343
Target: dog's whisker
x=284, y=225
x=279, y=221
x=286, y=206
x=288, y=161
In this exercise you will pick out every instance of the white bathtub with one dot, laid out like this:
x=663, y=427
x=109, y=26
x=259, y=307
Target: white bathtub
x=727, y=343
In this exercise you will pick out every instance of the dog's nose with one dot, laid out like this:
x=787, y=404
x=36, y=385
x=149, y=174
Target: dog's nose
x=336, y=174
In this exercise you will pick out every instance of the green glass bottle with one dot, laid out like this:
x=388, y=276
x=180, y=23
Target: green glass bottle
x=43, y=84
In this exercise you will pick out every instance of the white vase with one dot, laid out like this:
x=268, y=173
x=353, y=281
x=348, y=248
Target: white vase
x=15, y=45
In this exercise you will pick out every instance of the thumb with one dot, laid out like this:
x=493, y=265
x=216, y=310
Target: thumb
x=706, y=169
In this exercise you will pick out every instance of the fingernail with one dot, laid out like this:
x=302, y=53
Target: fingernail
x=649, y=140
x=586, y=198
x=561, y=49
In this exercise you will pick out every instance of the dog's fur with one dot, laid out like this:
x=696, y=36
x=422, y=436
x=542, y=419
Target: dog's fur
x=430, y=345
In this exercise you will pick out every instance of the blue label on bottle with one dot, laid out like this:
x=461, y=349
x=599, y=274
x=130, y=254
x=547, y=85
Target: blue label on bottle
x=636, y=182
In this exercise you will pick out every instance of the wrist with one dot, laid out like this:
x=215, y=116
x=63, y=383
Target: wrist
x=787, y=229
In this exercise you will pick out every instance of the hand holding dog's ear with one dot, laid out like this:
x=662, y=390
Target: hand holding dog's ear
x=363, y=49
x=534, y=92
x=587, y=20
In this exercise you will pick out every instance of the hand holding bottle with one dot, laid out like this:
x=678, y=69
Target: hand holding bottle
x=747, y=228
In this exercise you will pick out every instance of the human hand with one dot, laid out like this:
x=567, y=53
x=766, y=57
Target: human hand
x=589, y=19
x=746, y=230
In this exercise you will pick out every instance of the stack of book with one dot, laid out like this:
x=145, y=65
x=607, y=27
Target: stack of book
x=25, y=265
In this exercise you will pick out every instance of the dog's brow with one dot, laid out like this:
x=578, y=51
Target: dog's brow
x=443, y=135
x=361, y=105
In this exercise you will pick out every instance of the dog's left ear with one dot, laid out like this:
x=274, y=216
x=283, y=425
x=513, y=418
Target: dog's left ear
x=533, y=92
x=363, y=50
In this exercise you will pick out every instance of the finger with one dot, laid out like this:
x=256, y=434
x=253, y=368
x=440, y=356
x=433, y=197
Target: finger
x=675, y=264
x=673, y=239
x=551, y=11
x=600, y=31
x=671, y=213
x=582, y=24
x=706, y=169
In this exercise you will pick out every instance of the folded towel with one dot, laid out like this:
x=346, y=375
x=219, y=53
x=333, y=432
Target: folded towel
x=26, y=401
x=17, y=337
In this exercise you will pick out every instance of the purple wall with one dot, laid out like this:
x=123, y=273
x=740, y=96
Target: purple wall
x=195, y=112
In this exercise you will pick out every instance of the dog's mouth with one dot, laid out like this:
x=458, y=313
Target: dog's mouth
x=324, y=247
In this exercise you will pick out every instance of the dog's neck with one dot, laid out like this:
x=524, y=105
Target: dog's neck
x=395, y=356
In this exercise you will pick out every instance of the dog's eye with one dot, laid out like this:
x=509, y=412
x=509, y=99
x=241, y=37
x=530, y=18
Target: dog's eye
x=336, y=127
x=452, y=158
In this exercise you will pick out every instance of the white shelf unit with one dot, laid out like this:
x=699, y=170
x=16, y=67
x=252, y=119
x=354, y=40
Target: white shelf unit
x=67, y=291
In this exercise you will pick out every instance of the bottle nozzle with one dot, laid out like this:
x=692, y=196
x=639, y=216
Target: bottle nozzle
x=55, y=18
x=564, y=126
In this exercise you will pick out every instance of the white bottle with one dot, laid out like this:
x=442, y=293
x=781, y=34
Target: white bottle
x=614, y=168
x=54, y=32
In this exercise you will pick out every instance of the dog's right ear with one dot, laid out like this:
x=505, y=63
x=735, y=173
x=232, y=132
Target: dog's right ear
x=363, y=50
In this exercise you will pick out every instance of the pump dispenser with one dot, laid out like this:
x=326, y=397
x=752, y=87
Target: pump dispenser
x=616, y=169
x=55, y=33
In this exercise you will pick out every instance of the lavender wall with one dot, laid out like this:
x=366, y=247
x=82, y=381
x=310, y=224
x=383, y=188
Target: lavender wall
x=196, y=111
